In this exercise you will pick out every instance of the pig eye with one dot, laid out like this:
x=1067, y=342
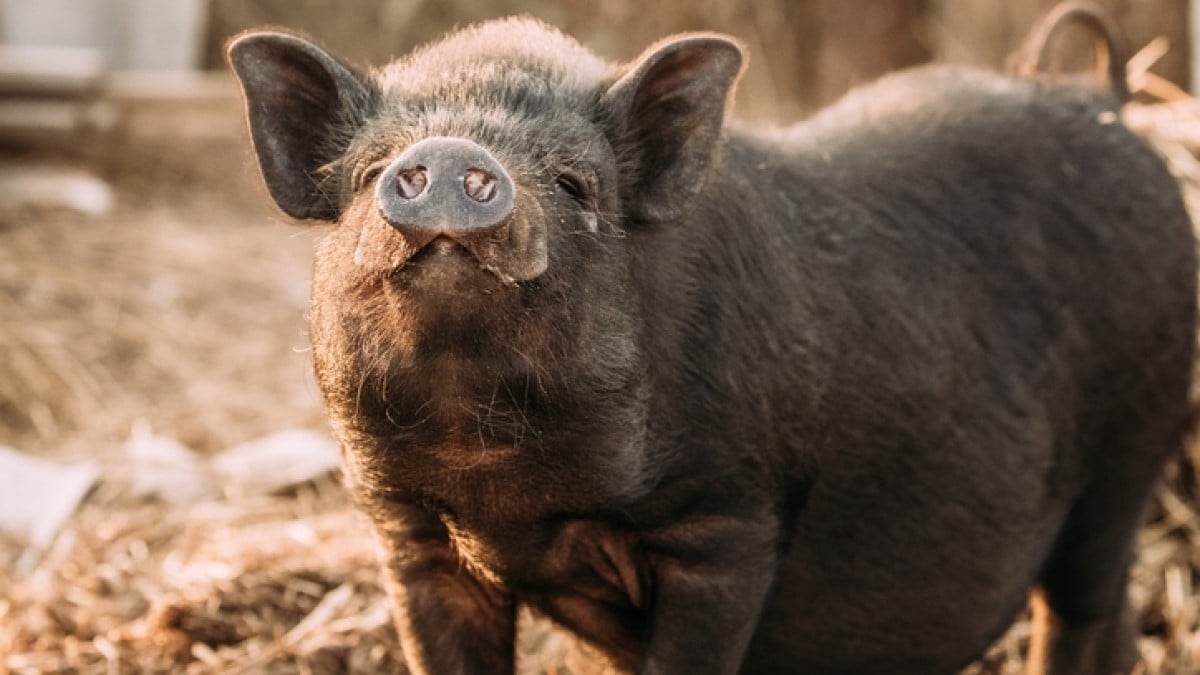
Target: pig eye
x=367, y=176
x=573, y=187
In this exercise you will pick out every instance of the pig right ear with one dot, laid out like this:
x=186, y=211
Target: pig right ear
x=666, y=114
x=299, y=101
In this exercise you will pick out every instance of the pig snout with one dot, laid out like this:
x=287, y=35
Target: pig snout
x=445, y=187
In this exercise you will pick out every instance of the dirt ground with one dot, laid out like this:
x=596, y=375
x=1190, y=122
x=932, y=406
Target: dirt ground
x=181, y=312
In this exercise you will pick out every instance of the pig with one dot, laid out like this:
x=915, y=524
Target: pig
x=724, y=398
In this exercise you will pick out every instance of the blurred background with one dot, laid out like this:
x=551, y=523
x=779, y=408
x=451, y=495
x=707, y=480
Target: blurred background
x=806, y=52
x=168, y=497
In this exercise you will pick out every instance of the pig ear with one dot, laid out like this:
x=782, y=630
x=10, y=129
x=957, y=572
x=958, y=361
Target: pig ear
x=667, y=112
x=299, y=102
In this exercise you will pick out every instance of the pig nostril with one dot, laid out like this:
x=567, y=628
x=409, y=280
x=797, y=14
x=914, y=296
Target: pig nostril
x=480, y=185
x=410, y=183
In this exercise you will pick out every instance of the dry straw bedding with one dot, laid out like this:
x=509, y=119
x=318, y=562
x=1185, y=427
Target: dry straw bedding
x=183, y=308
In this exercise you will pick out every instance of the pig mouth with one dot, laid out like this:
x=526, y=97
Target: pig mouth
x=445, y=265
x=442, y=245
x=443, y=259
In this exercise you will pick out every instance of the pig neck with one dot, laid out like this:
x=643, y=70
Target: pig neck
x=491, y=437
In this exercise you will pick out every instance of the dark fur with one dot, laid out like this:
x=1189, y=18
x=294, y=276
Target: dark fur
x=828, y=399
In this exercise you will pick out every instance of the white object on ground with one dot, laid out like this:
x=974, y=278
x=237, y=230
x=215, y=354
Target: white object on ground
x=164, y=468
x=60, y=187
x=275, y=462
x=37, y=496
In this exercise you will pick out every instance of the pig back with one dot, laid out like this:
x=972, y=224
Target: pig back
x=982, y=233
x=942, y=239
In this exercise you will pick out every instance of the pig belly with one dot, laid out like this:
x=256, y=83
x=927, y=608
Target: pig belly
x=903, y=583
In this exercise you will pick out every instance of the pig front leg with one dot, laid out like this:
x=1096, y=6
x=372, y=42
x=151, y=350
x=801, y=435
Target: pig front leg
x=449, y=621
x=708, y=597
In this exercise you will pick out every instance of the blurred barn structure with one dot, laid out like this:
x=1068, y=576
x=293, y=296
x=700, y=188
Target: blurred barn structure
x=804, y=53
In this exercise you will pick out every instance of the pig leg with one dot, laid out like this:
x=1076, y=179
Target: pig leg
x=1087, y=574
x=1085, y=583
x=1101, y=647
x=707, y=604
x=449, y=621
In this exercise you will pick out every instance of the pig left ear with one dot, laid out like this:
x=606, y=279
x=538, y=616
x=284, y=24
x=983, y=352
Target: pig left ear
x=666, y=115
x=300, y=104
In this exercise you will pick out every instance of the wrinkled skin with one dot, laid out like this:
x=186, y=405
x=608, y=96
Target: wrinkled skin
x=828, y=399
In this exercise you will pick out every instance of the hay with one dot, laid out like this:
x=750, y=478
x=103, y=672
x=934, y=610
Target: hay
x=182, y=309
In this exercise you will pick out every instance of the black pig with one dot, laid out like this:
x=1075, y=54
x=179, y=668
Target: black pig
x=719, y=398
